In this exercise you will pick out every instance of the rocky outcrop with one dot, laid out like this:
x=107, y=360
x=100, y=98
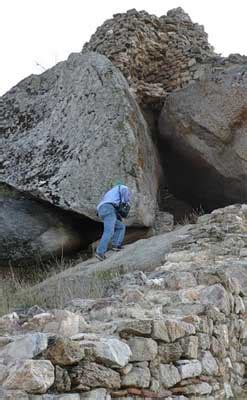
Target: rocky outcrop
x=204, y=128
x=201, y=130
x=70, y=132
x=67, y=135
x=156, y=55
x=177, y=331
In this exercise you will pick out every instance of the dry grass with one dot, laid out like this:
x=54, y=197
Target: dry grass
x=18, y=293
x=192, y=217
x=17, y=280
x=65, y=289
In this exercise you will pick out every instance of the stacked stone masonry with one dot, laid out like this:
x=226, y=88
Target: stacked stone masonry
x=196, y=357
x=157, y=55
x=179, y=332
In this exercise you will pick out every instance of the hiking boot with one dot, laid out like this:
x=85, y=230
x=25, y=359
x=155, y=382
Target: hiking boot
x=117, y=248
x=100, y=257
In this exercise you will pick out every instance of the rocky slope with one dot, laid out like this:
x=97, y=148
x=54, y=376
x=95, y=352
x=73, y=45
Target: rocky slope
x=175, y=331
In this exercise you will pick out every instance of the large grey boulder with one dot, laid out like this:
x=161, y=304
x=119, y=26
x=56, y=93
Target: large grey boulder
x=70, y=132
x=31, y=230
x=204, y=126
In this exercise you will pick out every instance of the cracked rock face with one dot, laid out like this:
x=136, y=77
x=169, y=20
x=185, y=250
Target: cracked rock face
x=205, y=127
x=70, y=132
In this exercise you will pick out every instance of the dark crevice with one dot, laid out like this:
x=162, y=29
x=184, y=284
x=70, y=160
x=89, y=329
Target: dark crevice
x=188, y=184
x=195, y=182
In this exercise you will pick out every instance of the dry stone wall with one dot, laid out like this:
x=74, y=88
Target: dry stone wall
x=156, y=55
x=195, y=357
x=178, y=332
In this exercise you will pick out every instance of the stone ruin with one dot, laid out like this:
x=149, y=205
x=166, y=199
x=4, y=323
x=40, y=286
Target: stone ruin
x=155, y=54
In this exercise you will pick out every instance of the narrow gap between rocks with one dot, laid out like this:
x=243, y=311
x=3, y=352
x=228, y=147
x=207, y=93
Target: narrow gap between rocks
x=192, y=184
x=188, y=186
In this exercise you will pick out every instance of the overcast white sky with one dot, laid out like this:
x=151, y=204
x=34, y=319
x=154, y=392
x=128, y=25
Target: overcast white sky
x=46, y=31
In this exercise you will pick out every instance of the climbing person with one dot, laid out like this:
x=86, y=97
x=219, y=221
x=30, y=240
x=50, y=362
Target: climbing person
x=114, y=205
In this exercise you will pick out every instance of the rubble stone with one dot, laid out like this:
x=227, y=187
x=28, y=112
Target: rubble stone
x=143, y=349
x=209, y=364
x=64, y=352
x=113, y=353
x=169, y=375
x=91, y=375
x=189, y=368
x=137, y=377
x=32, y=376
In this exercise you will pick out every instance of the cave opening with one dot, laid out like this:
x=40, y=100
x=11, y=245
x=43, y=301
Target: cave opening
x=190, y=186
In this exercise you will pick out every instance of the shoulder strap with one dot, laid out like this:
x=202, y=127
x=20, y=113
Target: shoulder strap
x=120, y=194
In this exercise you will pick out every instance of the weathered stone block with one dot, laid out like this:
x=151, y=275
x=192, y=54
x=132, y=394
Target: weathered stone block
x=135, y=327
x=222, y=334
x=32, y=376
x=137, y=377
x=91, y=375
x=209, y=364
x=25, y=347
x=190, y=346
x=177, y=329
x=160, y=331
x=13, y=395
x=200, y=388
x=169, y=375
x=189, y=368
x=112, y=352
x=170, y=352
x=216, y=295
x=143, y=349
x=59, y=322
x=62, y=380
x=204, y=341
x=64, y=352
